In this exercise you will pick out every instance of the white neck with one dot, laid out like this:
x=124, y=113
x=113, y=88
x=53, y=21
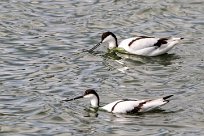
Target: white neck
x=112, y=44
x=94, y=102
x=111, y=41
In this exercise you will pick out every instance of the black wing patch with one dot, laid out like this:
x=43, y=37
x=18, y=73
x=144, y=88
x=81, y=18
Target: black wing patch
x=134, y=40
x=138, y=108
x=146, y=37
x=161, y=41
x=121, y=101
x=115, y=105
x=129, y=100
x=140, y=37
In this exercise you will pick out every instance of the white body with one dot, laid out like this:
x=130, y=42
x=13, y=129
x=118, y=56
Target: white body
x=140, y=45
x=146, y=47
x=126, y=106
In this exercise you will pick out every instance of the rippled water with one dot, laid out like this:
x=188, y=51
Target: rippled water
x=42, y=62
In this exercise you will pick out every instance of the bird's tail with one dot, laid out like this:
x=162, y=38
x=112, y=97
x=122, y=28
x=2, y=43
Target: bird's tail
x=167, y=97
x=176, y=39
x=154, y=104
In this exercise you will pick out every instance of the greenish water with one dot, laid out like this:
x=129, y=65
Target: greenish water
x=42, y=62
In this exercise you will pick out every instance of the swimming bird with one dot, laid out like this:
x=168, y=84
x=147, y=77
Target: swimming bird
x=139, y=45
x=126, y=106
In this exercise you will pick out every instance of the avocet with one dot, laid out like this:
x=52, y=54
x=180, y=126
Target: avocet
x=139, y=45
x=125, y=105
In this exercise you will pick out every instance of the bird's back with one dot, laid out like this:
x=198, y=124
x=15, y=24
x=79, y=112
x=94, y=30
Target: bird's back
x=148, y=46
x=135, y=106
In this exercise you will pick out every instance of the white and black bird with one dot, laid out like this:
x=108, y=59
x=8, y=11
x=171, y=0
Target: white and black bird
x=126, y=106
x=139, y=45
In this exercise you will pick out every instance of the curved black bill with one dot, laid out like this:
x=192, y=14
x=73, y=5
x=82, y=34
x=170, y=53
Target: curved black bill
x=73, y=98
x=91, y=50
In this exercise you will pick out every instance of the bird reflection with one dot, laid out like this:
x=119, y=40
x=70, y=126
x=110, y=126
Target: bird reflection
x=91, y=112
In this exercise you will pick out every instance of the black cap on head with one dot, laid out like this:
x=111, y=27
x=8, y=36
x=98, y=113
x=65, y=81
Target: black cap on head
x=106, y=34
x=90, y=91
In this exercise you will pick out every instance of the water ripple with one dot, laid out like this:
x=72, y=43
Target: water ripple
x=42, y=62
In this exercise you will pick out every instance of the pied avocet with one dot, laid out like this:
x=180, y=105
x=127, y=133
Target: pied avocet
x=125, y=105
x=139, y=45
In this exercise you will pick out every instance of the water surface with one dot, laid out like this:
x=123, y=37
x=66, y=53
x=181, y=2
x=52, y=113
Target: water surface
x=42, y=62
